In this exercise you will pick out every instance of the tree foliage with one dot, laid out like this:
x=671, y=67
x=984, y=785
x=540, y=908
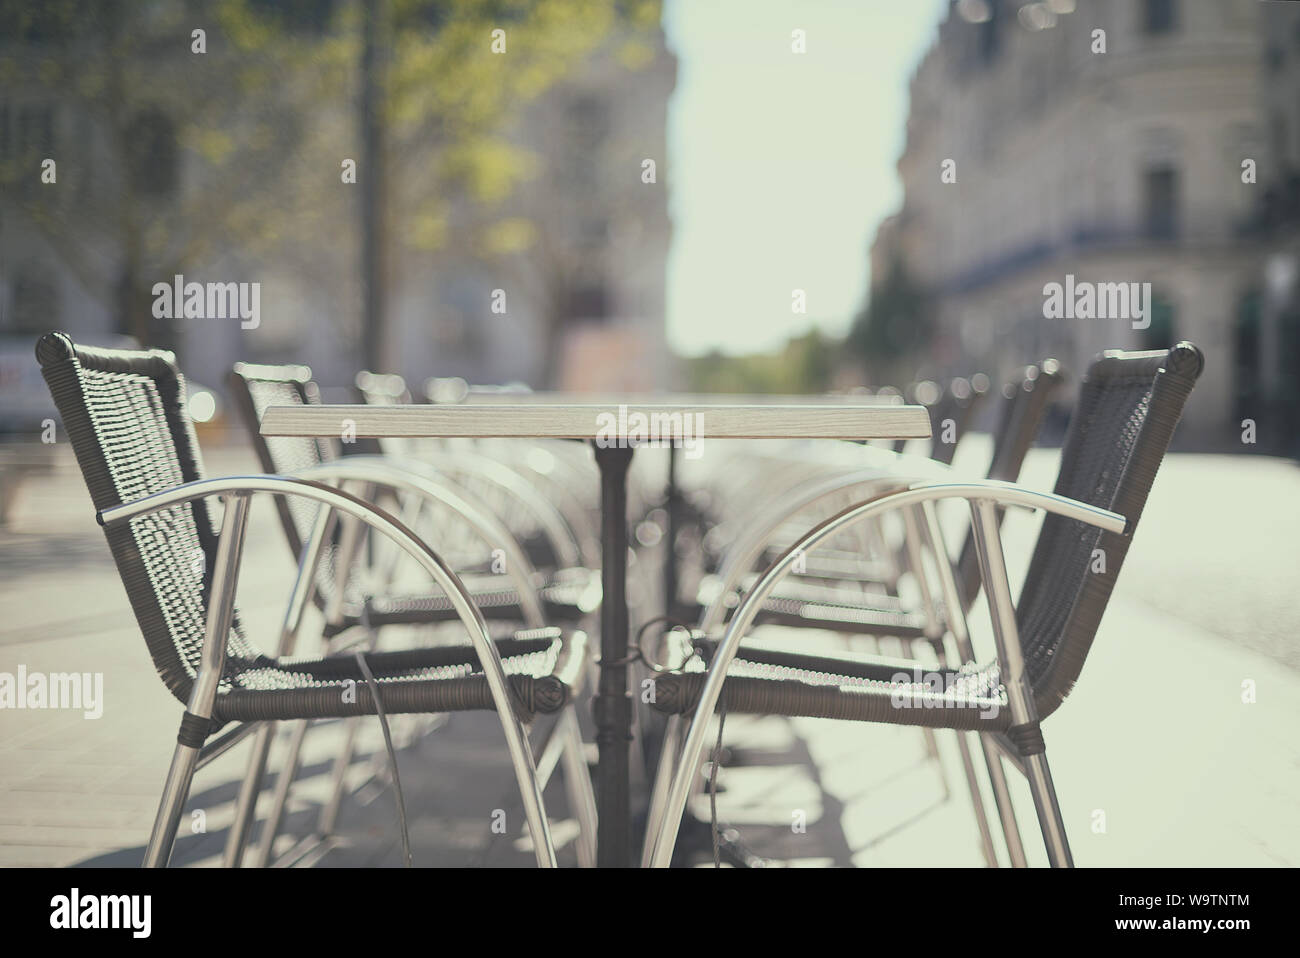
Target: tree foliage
x=895, y=325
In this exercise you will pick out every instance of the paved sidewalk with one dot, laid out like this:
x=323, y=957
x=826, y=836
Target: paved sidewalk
x=1157, y=759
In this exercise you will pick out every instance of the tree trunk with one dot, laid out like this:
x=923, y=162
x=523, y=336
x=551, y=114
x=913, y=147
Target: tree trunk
x=372, y=179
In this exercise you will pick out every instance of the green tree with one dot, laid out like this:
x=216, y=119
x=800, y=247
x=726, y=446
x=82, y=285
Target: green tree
x=803, y=365
x=894, y=327
x=170, y=159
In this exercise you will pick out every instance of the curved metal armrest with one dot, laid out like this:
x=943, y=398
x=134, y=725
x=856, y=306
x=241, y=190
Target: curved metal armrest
x=552, y=523
x=429, y=485
x=376, y=518
x=1013, y=494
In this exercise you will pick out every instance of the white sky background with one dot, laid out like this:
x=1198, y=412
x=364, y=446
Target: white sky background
x=781, y=165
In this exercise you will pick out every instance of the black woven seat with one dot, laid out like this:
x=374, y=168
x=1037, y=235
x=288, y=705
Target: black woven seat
x=801, y=604
x=566, y=596
x=542, y=665
x=897, y=691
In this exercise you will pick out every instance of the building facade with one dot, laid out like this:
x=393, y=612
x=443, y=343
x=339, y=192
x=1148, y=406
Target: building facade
x=1097, y=142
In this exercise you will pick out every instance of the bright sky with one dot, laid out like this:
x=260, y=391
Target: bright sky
x=782, y=164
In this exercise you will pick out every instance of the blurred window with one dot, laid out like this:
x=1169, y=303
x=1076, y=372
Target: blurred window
x=313, y=16
x=37, y=23
x=990, y=34
x=1161, y=190
x=35, y=130
x=152, y=159
x=1160, y=16
x=35, y=306
x=589, y=119
x=1246, y=353
x=1163, y=331
x=588, y=300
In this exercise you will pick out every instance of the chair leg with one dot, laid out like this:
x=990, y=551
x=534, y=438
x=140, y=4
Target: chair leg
x=668, y=757
x=955, y=614
x=329, y=814
x=198, y=710
x=578, y=789
x=1020, y=699
x=176, y=790
x=288, y=771
x=246, y=803
x=1049, y=812
x=1002, y=798
x=303, y=587
x=977, y=800
x=530, y=790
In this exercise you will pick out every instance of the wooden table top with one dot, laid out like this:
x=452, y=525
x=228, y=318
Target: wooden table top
x=549, y=419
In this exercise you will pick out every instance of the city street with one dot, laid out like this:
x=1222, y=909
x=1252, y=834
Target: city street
x=1178, y=746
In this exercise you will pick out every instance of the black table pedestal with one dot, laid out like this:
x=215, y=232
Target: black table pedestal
x=612, y=704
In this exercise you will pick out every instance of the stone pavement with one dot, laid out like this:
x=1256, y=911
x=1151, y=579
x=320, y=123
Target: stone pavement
x=1157, y=758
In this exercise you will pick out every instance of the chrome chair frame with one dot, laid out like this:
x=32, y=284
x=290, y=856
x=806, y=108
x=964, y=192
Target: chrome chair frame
x=235, y=493
x=378, y=472
x=984, y=497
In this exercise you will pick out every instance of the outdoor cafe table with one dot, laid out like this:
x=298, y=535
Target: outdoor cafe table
x=605, y=425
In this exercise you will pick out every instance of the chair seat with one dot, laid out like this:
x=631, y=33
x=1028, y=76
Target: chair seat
x=566, y=595
x=837, y=608
x=842, y=566
x=543, y=667
x=894, y=691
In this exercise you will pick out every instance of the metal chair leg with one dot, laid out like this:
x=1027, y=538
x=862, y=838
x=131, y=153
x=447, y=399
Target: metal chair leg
x=303, y=587
x=577, y=785
x=246, y=803
x=668, y=758
x=1020, y=699
x=329, y=813
x=179, y=777
x=288, y=771
x=203, y=695
x=932, y=535
x=530, y=791
x=1049, y=811
x=1002, y=799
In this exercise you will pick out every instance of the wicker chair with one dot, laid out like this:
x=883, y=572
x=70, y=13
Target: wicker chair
x=957, y=404
x=803, y=602
x=836, y=605
x=565, y=594
x=569, y=485
x=522, y=595
x=1128, y=407
x=125, y=414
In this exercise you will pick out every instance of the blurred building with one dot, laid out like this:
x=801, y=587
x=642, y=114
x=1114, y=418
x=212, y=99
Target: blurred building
x=1106, y=140
x=584, y=301
x=1268, y=327
x=587, y=282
